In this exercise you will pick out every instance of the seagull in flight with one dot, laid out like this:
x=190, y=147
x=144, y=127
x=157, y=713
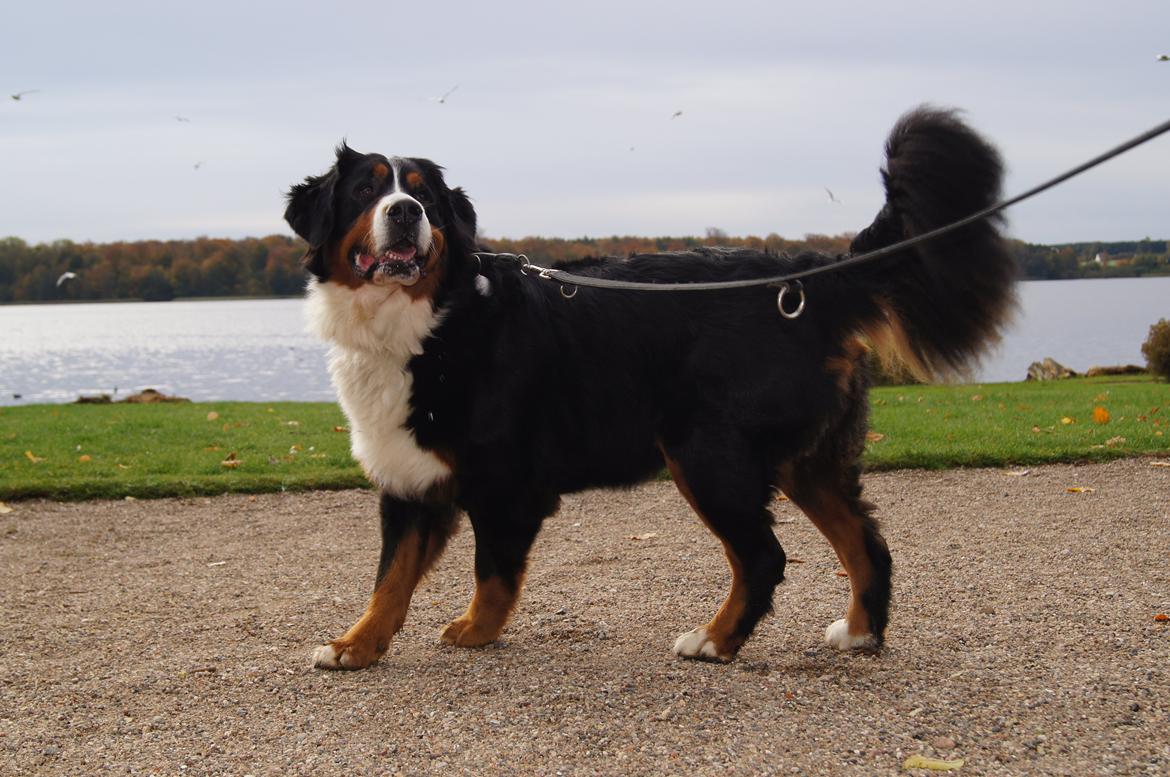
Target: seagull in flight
x=443, y=100
x=183, y=119
x=1164, y=57
x=18, y=95
x=832, y=198
x=65, y=276
x=676, y=114
x=198, y=165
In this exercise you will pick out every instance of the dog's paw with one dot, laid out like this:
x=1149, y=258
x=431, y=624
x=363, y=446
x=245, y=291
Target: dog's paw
x=463, y=632
x=698, y=645
x=837, y=635
x=334, y=655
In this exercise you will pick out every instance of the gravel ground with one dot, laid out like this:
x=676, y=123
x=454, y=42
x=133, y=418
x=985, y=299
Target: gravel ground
x=173, y=636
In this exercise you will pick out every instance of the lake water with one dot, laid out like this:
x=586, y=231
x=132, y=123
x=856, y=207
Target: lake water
x=257, y=350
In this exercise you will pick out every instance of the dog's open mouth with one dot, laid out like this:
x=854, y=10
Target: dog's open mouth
x=401, y=264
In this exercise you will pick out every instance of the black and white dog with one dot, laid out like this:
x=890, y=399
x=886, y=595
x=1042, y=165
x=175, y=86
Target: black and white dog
x=472, y=387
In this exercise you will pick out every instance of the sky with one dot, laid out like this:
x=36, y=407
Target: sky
x=169, y=121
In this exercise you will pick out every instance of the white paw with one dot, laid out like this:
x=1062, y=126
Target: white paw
x=327, y=657
x=838, y=636
x=696, y=644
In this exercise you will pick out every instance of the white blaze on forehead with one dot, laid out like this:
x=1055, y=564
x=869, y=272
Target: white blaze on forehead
x=422, y=237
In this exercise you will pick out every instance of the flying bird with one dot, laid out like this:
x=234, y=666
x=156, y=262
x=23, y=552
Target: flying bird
x=198, y=165
x=183, y=119
x=676, y=114
x=1164, y=57
x=18, y=95
x=65, y=276
x=832, y=198
x=443, y=100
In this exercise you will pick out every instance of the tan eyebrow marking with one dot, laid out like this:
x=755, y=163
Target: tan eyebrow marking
x=414, y=179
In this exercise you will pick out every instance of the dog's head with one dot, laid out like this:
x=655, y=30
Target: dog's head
x=380, y=220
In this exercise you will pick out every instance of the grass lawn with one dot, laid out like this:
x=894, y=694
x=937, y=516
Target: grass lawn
x=1003, y=424
x=114, y=451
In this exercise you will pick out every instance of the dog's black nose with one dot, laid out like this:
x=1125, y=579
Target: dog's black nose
x=405, y=212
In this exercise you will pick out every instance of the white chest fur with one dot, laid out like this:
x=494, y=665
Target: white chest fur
x=374, y=331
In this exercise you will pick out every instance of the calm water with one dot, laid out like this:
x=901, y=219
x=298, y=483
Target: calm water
x=258, y=349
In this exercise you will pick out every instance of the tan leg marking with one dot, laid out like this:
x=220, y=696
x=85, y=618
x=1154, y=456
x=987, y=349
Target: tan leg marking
x=845, y=532
x=485, y=616
x=368, y=639
x=722, y=631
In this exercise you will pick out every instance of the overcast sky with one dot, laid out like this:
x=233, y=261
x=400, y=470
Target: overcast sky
x=561, y=124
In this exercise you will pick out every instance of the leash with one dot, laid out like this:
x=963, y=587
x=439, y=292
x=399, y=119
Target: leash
x=571, y=281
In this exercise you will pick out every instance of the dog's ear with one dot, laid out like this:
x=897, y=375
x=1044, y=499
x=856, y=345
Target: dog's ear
x=310, y=211
x=464, y=212
x=310, y=214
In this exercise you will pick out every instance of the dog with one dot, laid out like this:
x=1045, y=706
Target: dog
x=473, y=387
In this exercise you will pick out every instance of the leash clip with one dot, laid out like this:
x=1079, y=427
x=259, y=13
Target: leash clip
x=799, y=306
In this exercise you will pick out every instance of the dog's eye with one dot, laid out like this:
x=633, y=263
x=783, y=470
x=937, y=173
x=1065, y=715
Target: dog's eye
x=364, y=192
x=424, y=196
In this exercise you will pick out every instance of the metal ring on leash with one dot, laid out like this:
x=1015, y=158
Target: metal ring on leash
x=799, y=307
x=568, y=295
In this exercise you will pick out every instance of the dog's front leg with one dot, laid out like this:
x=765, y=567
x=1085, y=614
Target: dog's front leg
x=502, y=542
x=413, y=537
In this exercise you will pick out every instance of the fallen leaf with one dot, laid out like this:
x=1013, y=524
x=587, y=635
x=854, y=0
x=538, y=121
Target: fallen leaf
x=1080, y=489
x=340, y=429
x=1162, y=617
x=1160, y=463
x=1035, y=430
x=33, y=457
x=874, y=436
x=213, y=416
x=293, y=423
x=1018, y=473
x=977, y=398
x=842, y=574
x=85, y=458
x=780, y=497
x=4, y=509
x=217, y=563
x=1100, y=415
x=1067, y=421
x=922, y=762
x=294, y=450
x=123, y=466
x=647, y=536
x=1101, y=397
x=793, y=560
x=1114, y=441
x=129, y=499
x=231, y=462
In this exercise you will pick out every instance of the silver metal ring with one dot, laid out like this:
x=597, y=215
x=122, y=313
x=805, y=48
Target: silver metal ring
x=780, y=301
x=524, y=264
x=568, y=295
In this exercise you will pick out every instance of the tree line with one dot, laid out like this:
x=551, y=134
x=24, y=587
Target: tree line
x=268, y=266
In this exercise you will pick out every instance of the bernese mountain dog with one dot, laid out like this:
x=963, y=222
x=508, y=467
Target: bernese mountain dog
x=471, y=386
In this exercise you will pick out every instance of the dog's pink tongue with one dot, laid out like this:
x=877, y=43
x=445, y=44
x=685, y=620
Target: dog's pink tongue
x=365, y=262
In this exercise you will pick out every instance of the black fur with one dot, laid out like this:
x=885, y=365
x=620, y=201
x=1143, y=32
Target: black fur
x=531, y=395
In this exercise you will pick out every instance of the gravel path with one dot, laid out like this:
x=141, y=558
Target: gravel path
x=173, y=637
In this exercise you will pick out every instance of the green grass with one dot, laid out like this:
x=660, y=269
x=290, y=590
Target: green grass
x=1003, y=424
x=172, y=449
x=114, y=451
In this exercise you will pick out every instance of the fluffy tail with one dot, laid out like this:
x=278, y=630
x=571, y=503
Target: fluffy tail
x=938, y=305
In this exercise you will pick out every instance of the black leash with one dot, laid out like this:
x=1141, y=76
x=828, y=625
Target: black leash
x=572, y=281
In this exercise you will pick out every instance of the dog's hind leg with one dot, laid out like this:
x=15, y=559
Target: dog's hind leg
x=413, y=537
x=831, y=497
x=726, y=487
x=502, y=541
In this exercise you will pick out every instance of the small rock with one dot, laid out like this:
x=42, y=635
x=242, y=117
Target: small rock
x=943, y=743
x=51, y=750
